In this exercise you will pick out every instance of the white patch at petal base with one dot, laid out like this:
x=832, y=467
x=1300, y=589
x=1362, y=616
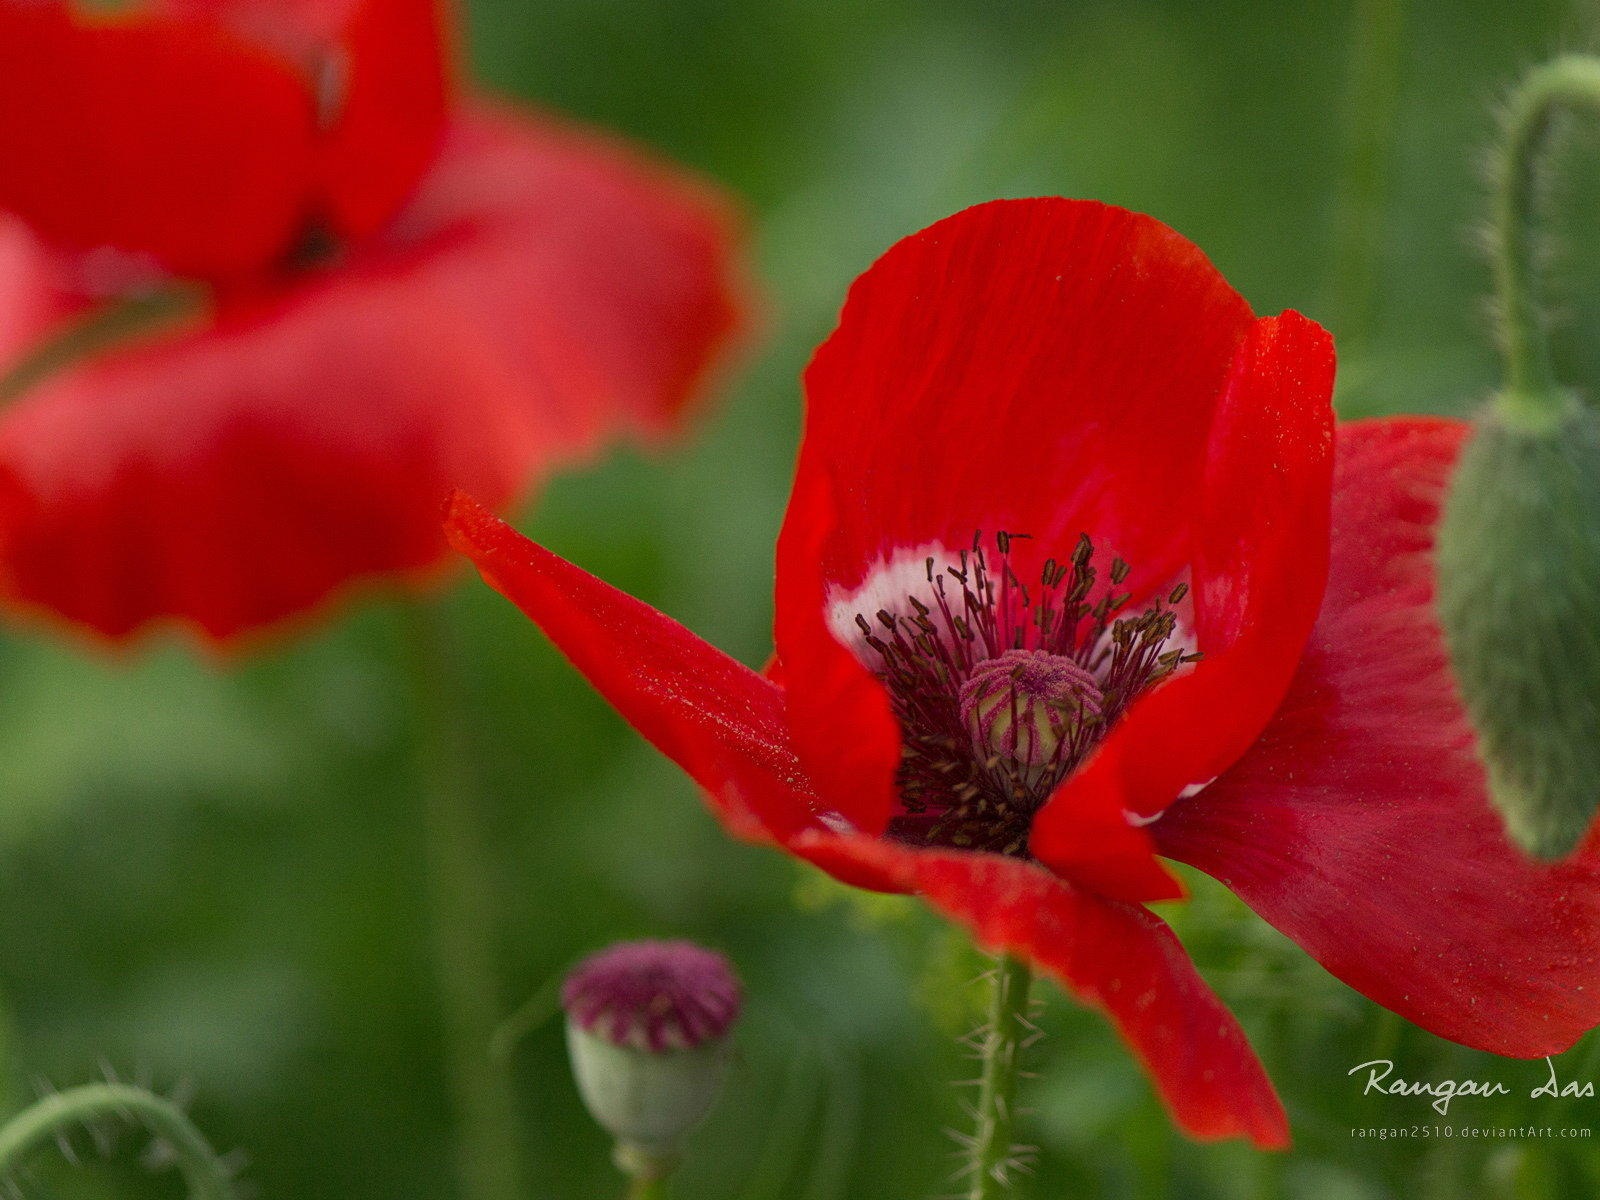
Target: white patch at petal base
x=887, y=586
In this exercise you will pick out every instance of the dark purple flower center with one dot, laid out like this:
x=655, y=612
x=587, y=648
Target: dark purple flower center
x=1003, y=687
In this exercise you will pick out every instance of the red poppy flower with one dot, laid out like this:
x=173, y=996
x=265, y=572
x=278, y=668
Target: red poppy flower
x=1076, y=574
x=391, y=290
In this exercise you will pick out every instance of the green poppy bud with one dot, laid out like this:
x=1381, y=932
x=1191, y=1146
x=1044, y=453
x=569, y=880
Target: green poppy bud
x=1519, y=599
x=647, y=1030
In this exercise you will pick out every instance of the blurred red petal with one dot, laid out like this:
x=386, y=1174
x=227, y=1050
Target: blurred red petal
x=207, y=134
x=1359, y=823
x=391, y=92
x=1047, y=367
x=1259, y=571
x=610, y=280
x=380, y=74
x=546, y=290
x=38, y=295
x=232, y=475
x=717, y=719
x=154, y=136
x=1120, y=959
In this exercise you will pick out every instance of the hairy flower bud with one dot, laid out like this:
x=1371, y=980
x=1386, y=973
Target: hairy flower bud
x=1519, y=599
x=647, y=1030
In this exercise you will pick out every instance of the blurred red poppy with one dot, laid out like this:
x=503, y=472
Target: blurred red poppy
x=1076, y=573
x=388, y=290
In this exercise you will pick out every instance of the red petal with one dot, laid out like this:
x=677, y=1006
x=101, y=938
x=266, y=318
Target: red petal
x=328, y=109
x=236, y=474
x=37, y=294
x=390, y=114
x=1259, y=571
x=717, y=719
x=1359, y=822
x=547, y=289
x=104, y=143
x=380, y=72
x=610, y=279
x=839, y=715
x=1042, y=366
x=1118, y=958
x=1047, y=367
x=1084, y=833
x=857, y=860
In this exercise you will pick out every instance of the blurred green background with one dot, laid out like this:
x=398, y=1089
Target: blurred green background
x=213, y=873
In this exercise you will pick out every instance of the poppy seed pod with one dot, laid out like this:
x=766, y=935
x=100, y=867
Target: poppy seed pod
x=647, y=1030
x=1519, y=599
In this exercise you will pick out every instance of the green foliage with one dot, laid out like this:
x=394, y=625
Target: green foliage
x=1519, y=591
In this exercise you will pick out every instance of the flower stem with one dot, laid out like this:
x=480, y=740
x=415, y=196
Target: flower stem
x=1002, y=1047
x=1532, y=399
x=54, y=1116
x=1376, y=57
x=460, y=895
x=646, y=1168
x=643, y=1188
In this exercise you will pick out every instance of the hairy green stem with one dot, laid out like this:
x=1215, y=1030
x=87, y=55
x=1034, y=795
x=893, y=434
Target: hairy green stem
x=1002, y=1046
x=1532, y=399
x=461, y=901
x=57, y=1115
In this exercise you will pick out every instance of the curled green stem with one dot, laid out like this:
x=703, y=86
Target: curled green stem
x=1003, y=1038
x=1532, y=398
x=35, y=1127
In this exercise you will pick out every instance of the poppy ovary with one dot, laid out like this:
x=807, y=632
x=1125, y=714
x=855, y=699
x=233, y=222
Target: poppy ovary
x=1026, y=703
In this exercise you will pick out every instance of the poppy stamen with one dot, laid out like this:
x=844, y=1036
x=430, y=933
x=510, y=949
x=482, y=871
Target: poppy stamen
x=1003, y=686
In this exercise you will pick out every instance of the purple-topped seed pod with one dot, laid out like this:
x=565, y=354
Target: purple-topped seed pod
x=654, y=996
x=647, y=1029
